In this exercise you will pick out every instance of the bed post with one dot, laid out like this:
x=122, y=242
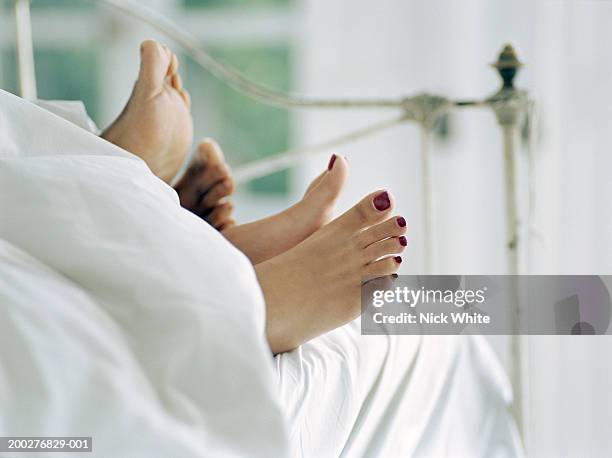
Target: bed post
x=510, y=106
x=426, y=109
x=25, y=50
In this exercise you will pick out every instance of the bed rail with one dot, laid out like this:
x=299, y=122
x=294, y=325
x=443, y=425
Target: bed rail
x=25, y=50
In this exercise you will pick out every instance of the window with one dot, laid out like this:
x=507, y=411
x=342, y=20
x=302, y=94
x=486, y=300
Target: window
x=62, y=74
x=248, y=129
x=77, y=64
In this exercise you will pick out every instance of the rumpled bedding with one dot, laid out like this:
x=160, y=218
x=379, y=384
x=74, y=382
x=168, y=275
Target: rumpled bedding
x=397, y=396
x=128, y=319
x=123, y=316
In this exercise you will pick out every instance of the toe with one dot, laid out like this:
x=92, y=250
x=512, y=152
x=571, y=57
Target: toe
x=393, y=245
x=216, y=193
x=314, y=183
x=174, y=63
x=214, y=174
x=199, y=181
x=371, y=210
x=330, y=165
x=211, y=151
x=392, y=227
x=154, y=63
x=191, y=186
x=221, y=217
x=325, y=189
x=177, y=82
x=207, y=168
x=386, y=266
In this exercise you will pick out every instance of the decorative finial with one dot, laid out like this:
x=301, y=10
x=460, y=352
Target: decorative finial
x=507, y=66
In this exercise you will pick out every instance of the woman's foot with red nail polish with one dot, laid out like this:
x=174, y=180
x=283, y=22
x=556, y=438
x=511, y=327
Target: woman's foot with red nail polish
x=316, y=286
x=269, y=237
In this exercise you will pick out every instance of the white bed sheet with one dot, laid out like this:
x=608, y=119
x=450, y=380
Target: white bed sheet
x=146, y=330
x=384, y=396
x=128, y=319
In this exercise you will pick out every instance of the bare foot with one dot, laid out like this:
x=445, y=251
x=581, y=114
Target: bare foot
x=156, y=124
x=263, y=239
x=206, y=185
x=316, y=286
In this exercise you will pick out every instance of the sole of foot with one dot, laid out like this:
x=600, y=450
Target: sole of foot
x=156, y=123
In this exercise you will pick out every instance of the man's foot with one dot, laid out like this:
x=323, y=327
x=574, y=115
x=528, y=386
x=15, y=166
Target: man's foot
x=316, y=286
x=269, y=237
x=207, y=183
x=156, y=124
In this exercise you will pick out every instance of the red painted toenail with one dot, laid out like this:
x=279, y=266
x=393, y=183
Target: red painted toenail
x=401, y=222
x=403, y=241
x=331, y=162
x=398, y=259
x=382, y=201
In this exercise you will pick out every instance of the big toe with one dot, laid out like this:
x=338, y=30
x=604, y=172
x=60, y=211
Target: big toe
x=326, y=188
x=156, y=61
x=210, y=152
x=372, y=209
x=207, y=159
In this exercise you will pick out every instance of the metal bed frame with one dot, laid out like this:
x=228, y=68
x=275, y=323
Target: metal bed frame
x=509, y=104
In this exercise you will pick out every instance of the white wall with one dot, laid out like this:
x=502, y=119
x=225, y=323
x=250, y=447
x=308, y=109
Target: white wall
x=393, y=47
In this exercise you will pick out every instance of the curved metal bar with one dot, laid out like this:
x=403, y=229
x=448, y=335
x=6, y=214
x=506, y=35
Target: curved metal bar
x=264, y=94
x=231, y=76
x=290, y=157
x=423, y=108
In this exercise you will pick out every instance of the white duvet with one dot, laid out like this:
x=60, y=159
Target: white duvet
x=127, y=319
x=124, y=317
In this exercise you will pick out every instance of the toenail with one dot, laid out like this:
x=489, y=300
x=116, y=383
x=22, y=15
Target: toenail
x=382, y=201
x=401, y=222
x=403, y=241
x=331, y=162
x=398, y=259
